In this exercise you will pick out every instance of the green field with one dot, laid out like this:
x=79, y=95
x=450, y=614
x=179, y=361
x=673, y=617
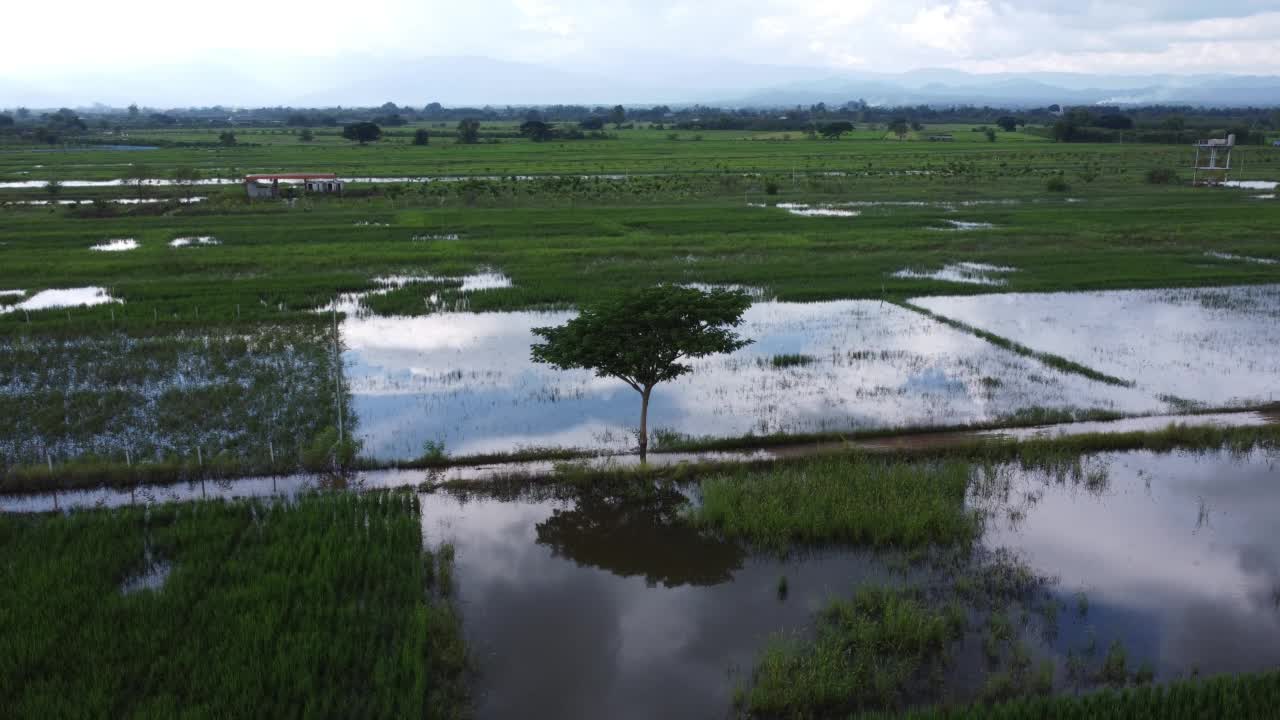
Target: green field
x=670, y=211
x=328, y=607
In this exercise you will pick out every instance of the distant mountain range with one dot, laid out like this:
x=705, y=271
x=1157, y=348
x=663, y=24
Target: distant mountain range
x=354, y=80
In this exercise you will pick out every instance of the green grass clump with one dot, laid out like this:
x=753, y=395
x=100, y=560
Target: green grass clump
x=326, y=607
x=851, y=499
x=1240, y=697
x=867, y=653
x=787, y=360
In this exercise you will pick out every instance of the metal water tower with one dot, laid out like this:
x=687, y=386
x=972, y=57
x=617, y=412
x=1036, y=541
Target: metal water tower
x=1213, y=159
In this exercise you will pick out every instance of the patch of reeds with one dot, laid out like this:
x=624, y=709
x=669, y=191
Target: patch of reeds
x=854, y=499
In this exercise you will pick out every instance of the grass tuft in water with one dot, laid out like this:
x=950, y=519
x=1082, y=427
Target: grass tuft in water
x=867, y=653
x=841, y=499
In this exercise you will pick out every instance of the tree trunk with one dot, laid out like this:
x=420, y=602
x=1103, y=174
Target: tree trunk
x=644, y=422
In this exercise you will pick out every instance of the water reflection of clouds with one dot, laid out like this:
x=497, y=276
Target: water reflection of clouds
x=876, y=365
x=1213, y=345
x=1205, y=586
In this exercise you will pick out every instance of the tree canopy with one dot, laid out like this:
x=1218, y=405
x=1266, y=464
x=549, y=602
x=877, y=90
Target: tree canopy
x=362, y=132
x=468, y=131
x=537, y=131
x=640, y=337
x=833, y=130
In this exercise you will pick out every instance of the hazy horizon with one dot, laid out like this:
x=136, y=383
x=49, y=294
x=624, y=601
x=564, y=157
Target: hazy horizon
x=574, y=51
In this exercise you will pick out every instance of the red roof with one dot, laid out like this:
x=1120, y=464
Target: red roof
x=292, y=176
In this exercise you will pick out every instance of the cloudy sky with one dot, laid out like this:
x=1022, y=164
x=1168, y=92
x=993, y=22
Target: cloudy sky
x=984, y=36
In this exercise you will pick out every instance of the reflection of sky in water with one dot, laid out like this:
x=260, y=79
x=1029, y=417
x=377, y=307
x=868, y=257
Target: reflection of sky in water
x=467, y=379
x=1178, y=556
x=1212, y=345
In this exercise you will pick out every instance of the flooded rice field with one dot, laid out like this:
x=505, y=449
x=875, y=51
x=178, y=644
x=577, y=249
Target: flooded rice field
x=59, y=298
x=1176, y=555
x=970, y=273
x=598, y=606
x=593, y=605
x=585, y=608
x=194, y=241
x=466, y=380
x=116, y=245
x=1213, y=346
x=215, y=398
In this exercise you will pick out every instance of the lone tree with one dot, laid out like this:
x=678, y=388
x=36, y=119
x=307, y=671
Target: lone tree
x=833, y=130
x=421, y=136
x=362, y=132
x=899, y=127
x=537, y=131
x=468, y=131
x=640, y=337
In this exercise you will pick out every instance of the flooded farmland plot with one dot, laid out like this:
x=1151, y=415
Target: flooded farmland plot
x=1174, y=555
x=1213, y=346
x=466, y=380
x=202, y=398
x=595, y=606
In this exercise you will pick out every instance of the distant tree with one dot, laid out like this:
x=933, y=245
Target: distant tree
x=306, y=135
x=537, y=131
x=617, y=116
x=389, y=107
x=433, y=109
x=1068, y=128
x=133, y=110
x=161, y=119
x=833, y=130
x=23, y=113
x=227, y=138
x=1007, y=123
x=641, y=336
x=468, y=131
x=991, y=135
x=899, y=127
x=362, y=132
x=1176, y=123
x=65, y=120
x=6, y=120
x=916, y=126
x=421, y=137
x=1055, y=108
x=1114, y=121
x=297, y=120
x=391, y=120
x=327, y=121
x=595, y=122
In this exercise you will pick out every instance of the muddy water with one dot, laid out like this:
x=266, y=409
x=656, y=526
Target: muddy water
x=466, y=380
x=1210, y=345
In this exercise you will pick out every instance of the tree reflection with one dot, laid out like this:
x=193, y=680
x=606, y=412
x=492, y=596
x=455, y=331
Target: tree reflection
x=630, y=536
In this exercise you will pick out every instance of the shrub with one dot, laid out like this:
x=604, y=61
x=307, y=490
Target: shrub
x=1162, y=176
x=1056, y=184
